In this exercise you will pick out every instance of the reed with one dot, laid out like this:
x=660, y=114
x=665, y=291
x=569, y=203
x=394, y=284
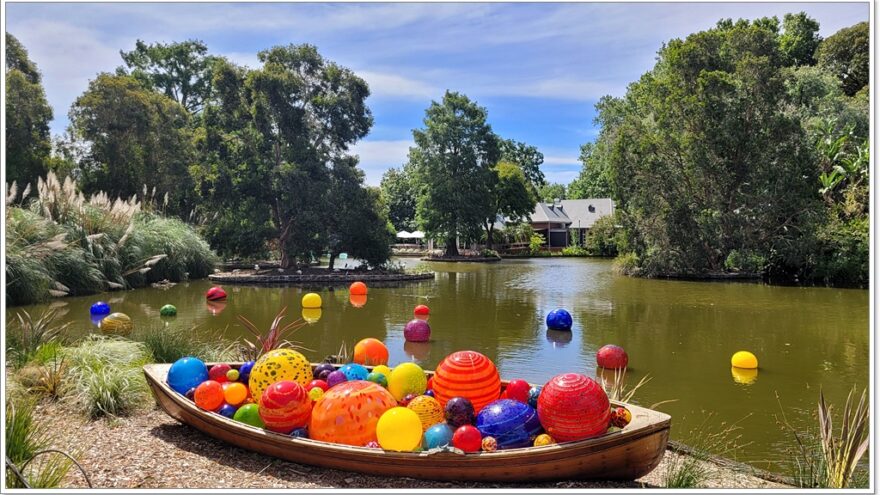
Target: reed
x=26, y=334
x=692, y=470
x=26, y=438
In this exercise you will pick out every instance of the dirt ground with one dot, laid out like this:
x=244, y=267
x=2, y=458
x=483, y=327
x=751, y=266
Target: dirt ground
x=152, y=450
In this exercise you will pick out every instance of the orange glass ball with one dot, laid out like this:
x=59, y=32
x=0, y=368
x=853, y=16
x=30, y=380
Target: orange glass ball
x=467, y=374
x=285, y=406
x=348, y=412
x=358, y=289
x=235, y=393
x=209, y=395
x=370, y=352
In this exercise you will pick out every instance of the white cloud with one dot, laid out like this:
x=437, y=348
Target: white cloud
x=393, y=86
x=378, y=156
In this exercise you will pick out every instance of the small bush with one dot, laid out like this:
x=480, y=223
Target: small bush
x=692, y=470
x=575, y=251
x=627, y=264
x=745, y=261
x=604, y=238
x=25, y=438
x=489, y=253
x=536, y=243
x=25, y=335
x=168, y=344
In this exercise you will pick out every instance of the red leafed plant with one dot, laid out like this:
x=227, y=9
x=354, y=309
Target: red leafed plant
x=272, y=339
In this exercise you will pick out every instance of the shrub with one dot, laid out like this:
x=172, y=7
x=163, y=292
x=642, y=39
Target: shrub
x=25, y=335
x=536, y=243
x=627, y=264
x=489, y=253
x=604, y=238
x=25, y=438
x=168, y=344
x=692, y=470
x=844, y=253
x=745, y=261
x=574, y=251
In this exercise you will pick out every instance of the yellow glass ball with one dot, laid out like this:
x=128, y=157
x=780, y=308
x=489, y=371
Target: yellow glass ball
x=744, y=359
x=277, y=365
x=311, y=301
x=407, y=378
x=544, y=439
x=385, y=370
x=316, y=393
x=116, y=324
x=429, y=410
x=399, y=429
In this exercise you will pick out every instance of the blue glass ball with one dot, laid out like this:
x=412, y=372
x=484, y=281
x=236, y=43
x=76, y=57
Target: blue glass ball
x=300, y=433
x=559, y=319
x=100, y=308
x=534, y=392
x=429, y=393
x=187, y=373
x=244, y=371
x=512, y=423
x=437, y=436
x=354, y=371
x=227, y=410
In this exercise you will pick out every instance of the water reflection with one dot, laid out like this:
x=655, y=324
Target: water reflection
x=744, y=376
x=311, y=315
x=358, y=301
x=559, y=337
x=215, y=307
x=417, y=351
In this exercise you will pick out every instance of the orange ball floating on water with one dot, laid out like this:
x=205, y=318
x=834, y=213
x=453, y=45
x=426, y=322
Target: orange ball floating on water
x=467, y=374
x=348, y=412
x=370, y=352
x=573, y=407
x=285, y=406
x=234, y=393
x=358, y=289
x=209, y=395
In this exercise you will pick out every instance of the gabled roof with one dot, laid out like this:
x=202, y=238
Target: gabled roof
x=549, y=212
x=584, y=212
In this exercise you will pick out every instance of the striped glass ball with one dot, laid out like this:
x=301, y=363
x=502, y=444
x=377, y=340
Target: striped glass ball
x=285, y=406
x=467, y=374
x=573, y=407
x=116, y=324
x=512, y=423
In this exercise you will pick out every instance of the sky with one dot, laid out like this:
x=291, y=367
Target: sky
x=537, y=68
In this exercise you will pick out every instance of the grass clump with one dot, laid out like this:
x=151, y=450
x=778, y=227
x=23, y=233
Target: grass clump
x=692, y=470
x=167, y=344
x=25, y=439
x=105, y=376
x=26, y=334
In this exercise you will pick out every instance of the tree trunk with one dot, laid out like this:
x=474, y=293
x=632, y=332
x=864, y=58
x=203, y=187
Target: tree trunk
x=333, y=255
x=286, y=261
x=490, y=228
x=451, y=246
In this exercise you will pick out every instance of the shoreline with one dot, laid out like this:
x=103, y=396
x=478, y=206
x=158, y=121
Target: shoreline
x=312, y=278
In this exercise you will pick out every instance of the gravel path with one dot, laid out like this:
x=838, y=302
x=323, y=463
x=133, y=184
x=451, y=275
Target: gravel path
x=152, y=450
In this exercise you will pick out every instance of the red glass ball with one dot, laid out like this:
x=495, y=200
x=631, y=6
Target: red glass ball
x=215, y=294
x=467, y=438
x=612, y=357
x=573, y=407
x=218, y=373
x=518, y=390
x=467, y=374
x=285, y=406
x=317, y=383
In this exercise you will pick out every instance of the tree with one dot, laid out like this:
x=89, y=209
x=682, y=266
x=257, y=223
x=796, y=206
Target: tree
x=399, y=194
x=552, y=191
x=134, y=138
x=270, y=139
x=180, y=70
x=704, y=158
x=528, y=158
x=846, y=54
x=452, y=159
x=509, y=197
x=592, y=181
x=799, y=39
x=28, y=114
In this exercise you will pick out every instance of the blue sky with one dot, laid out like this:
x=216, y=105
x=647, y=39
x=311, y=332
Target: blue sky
x=537, y=68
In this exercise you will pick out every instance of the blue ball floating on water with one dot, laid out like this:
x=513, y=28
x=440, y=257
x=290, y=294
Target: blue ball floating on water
x=187, y=373
x=244, y=371
x=354, y=371
x=300, y=433
x=436, y=436
x=559, y=319
x=227, y=410
x=512, y=423
x=534, y=392
x=100, y=308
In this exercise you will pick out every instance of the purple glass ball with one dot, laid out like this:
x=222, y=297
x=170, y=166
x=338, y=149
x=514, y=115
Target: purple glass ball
x=429, y=393
x=300, y=433
x=321, y=367
x=323, y=375
x=190, y=394
x=417, y=331
x=227, y=410
x=459, y=412
x=336, y=378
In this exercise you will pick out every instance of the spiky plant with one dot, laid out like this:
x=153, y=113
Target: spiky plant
x=273, y=338
x=25, y=334
x=843, y=451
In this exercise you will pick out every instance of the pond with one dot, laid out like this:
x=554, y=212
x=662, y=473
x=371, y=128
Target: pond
x=679, y=333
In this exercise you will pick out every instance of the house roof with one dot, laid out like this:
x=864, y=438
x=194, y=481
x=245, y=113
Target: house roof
x=549, y=212
x=584, y=212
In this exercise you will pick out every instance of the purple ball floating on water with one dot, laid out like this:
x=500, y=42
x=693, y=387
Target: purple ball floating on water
x=512, y=423
x=336, y=378
x=417, y=331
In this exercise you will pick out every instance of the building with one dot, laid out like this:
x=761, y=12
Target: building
x=565, y=222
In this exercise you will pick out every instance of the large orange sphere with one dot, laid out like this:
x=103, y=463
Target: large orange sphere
x=573, y=407
x=370, y=352
x=285, y=406
x=467, y=374
x=348, y=412
x=358, y=289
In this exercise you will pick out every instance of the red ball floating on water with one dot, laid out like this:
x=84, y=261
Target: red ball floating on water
x=421, y=312
x=612, y=357
x=468, y=439
x=357, y=289
x=518, y=390
x=467, y=374
x=573, y=407
x=285, y=406
x=417, y=331
x=215, y=294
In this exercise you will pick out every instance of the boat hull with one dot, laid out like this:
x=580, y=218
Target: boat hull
x=625, y=455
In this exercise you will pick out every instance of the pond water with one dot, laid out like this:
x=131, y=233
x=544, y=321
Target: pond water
x=680, y=333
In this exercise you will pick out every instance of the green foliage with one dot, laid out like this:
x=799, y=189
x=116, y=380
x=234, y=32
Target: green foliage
x=181, y=70
x=399, y=194
x=536, y=243
x=800, y=39
x=489, y=253
x=549, y=192
x=528, y=158
x=627, y=264
x=593, y=180
x=692, y=469
x=105, y=376
x=27, y=117
x=25, y=438
x=25, y=335
x=846, y=54
x=843, y=253
x=604, y=238
x=509, y=197
x=748, y=262
x=575, y=250
x=135, y=137
x=452, y=162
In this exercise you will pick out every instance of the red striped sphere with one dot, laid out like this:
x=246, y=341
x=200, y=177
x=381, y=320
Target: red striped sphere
x=215, y=294
x=467, y=374
x=573, y=407
x=285, y=406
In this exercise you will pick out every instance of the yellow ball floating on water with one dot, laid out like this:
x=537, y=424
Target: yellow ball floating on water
x=407, y=378
x=745, y=360
x=744, y=376
x=277, y=365
x=116, y=324
x=399, y=429
x=311, y=301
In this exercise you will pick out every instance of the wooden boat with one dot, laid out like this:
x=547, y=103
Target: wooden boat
x=625, y=455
